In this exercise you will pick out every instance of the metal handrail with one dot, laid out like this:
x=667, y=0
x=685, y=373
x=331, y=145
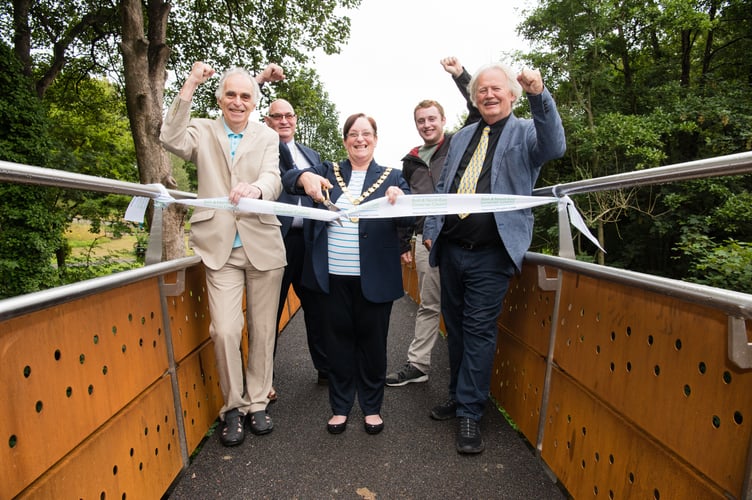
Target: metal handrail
x=736, y=164
x=25, y=174
x=35, y=301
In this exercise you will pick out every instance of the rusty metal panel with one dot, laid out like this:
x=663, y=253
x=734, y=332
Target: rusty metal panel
x=136, y=454
x=517, y=383
x=662, y=364
x=74, y=366
x=200, y=393
x=597, y=454
x=189, y=313
x=527, y=310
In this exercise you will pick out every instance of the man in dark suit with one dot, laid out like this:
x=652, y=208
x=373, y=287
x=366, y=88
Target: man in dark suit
x=479, y=253
x=293, y=155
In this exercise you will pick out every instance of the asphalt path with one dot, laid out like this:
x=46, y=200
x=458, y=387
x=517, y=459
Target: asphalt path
x=413, y=458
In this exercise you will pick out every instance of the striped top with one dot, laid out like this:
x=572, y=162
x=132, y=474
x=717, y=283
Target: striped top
x=344, y=249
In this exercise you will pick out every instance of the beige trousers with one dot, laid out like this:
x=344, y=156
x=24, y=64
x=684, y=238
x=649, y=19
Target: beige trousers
x=243, y=387
x=429, y=311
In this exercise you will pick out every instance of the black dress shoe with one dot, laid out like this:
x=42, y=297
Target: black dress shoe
x=469, y=440
x=336, y=428
x=231, y=431
x=373, y=428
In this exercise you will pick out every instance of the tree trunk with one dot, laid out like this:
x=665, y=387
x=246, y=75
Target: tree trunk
x=145, y=63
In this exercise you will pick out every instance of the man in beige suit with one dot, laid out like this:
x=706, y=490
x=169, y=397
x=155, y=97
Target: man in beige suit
x=241, y=251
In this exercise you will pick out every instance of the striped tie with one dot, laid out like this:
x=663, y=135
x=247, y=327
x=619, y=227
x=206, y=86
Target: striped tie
x=472, y=171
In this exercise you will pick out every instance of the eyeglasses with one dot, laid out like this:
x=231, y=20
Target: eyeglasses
x=355, y=135
x=279, y=116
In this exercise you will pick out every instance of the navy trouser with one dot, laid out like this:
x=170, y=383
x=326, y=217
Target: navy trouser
x=473, y=285
x=355, y=341
x=295, y=250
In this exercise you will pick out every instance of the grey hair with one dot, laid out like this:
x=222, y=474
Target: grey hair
x=514, y=85
x=238, y=71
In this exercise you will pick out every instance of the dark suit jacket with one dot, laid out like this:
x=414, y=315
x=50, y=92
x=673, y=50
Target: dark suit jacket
x=380, y=266
x=524, y=146
x=286, y=164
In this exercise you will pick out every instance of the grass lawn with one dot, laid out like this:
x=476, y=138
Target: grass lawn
x=82, y=241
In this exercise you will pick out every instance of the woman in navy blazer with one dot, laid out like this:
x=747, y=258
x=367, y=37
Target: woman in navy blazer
x=356, y=269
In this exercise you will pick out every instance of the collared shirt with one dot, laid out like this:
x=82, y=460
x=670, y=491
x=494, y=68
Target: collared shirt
x=479, y=228
x=234, y=141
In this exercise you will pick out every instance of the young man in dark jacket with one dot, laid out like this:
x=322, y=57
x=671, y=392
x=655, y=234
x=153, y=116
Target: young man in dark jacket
x=421, y=168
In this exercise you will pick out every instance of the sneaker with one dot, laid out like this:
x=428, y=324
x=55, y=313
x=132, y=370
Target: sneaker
x=405, y=375
x=445, y=410
x=469, y=440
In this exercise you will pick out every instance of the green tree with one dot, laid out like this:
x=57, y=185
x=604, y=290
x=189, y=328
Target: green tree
x=30, y=226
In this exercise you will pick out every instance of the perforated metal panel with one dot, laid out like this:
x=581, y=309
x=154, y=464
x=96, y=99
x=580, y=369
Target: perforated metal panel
x=637, y=377
x=136, y=454
x=70, y=368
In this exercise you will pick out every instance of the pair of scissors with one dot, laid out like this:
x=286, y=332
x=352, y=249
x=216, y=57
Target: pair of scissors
x=331, y=206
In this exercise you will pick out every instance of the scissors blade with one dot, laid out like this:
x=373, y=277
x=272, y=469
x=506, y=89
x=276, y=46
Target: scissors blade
x=331, y=206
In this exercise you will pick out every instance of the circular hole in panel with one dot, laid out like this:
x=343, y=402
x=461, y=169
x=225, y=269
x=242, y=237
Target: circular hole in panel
x=96, y=339
x=597, y=457
x=114, y=470
x=156, y=451
x=114, y=330
x=12, y=441
x=154, y=344
x=687, y=390
x=27, y=371
x=102, y=495
x=130, y=317
x=631, y=478
x=611, y=459
x=140, y=466
x=569, y=445
x=146, y=431
x=716, y=421
x=123, y=497
x=82, y=358
x=726, y=377
x=39, y=406
x=613, y=336
x=569, y=419
x=702, y=367
x=597, y=349
x=582, y=312
x=584, y=431
x=738, y=418
x=650, y=340
x=90, y=389
x=629, y=366
x=629, y=331
x=68, y=391
x=582, y=464
x=595, y=490
x=123, y=348
x=140, y=342
x=104, y=370
x=657, y=370
x=143, y=320
x=611, y=494
x=57, y=354
x=656, y=494
x=158, y=427
x=597, y=317
x=678, y=344
x=131, y=452
x=613, y=367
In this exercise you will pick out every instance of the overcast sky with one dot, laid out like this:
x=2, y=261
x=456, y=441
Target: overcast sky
x=391, y=61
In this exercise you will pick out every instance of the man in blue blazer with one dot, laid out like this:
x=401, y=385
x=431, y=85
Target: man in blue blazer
x=478, y=254
x=295, y=156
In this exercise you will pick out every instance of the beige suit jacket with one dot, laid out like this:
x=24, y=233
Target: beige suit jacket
x=205, y=143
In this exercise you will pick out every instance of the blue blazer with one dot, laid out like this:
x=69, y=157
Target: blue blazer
x=380, y=265
x=286, y=163
x=524, y=146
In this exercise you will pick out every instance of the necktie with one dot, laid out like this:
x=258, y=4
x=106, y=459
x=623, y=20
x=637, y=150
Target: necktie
x=470, y=178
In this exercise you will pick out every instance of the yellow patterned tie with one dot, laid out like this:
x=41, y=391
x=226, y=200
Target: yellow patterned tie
x=472, y=171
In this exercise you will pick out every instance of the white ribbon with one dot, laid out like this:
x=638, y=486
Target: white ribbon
x=405, y=206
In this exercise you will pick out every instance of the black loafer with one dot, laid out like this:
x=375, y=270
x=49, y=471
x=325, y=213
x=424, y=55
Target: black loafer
x=336, y=428
x=373, y=428
x=231, y=432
